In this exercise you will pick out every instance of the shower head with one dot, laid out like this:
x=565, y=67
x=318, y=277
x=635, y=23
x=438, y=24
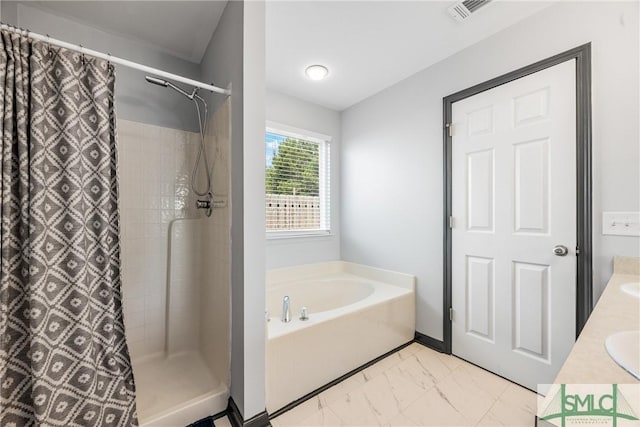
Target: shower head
x=202, y=123
x=165, y=83
x=155, y=81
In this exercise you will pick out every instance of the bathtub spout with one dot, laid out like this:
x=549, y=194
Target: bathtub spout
x=286, y=310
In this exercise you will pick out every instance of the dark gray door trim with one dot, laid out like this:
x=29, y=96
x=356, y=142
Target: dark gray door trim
x=584, y=276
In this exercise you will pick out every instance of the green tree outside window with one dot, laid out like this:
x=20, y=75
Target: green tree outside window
x=294, y=169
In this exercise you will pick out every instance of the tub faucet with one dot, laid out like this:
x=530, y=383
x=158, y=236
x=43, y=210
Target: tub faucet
x=286, y=310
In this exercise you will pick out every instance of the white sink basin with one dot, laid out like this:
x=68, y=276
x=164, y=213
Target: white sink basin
x=624, y=349
x=632, y=288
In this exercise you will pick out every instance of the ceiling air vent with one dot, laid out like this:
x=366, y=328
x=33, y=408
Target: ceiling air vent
x=462, y=10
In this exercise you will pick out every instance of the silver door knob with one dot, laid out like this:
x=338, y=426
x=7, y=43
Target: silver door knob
x=560, y=250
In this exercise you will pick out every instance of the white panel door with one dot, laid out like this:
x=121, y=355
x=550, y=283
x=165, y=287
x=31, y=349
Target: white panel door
x=513, y=201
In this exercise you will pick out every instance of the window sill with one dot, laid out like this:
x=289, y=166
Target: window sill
x=286, y=235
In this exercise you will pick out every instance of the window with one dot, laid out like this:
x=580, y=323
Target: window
x=297, y=182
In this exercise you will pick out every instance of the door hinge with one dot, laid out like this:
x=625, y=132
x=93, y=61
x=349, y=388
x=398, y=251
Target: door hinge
x=450, y=313
x=577, y=250
x=450, y=128
x=451, y=222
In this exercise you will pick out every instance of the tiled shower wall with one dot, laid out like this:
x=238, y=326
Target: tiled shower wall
x=157, y=207
x=215, y=300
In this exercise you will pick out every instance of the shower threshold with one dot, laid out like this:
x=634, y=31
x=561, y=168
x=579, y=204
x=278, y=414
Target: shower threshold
x=176, y=390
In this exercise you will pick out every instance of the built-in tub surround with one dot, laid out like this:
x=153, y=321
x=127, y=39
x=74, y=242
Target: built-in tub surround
x=356, y=313
x=176, y=291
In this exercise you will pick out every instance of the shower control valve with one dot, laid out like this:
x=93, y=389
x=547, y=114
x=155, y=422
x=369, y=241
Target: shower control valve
x=205, y=204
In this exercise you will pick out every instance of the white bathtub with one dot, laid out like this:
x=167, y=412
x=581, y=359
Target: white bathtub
x=356, y=313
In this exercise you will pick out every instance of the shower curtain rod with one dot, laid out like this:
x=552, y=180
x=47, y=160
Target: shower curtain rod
x=115, y=59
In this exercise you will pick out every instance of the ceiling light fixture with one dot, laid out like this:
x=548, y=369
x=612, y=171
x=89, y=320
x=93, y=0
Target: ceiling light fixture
x=316, y=72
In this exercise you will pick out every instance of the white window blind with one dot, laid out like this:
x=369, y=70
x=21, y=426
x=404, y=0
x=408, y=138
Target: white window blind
x=297, y=183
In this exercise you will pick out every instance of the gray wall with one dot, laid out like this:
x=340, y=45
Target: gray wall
x=236, y=55
x=294, y=112
x=392, y=145
x=136, y=100
x=222, y=62
x=9, y=12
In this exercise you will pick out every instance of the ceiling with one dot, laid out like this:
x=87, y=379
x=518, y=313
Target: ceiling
x=180, y=28
x=370, y=45
x=367, y=45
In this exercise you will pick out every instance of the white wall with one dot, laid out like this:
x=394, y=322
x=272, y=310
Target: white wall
x=254, y=214
x=392, y=145
x=136, y=99
x=286, y=110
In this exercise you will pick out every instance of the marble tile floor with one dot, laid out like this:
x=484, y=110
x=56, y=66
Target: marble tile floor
x=417, y=386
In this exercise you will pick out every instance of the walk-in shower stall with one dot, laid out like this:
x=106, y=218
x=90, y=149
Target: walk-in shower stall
x=175, y=263
x=153, y=250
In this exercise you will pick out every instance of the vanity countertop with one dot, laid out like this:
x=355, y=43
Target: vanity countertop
x=616, y=311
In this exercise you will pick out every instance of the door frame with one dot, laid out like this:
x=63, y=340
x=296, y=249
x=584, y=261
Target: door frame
x=584, y=273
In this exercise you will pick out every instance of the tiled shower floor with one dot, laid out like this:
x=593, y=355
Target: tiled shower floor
x=417, y=386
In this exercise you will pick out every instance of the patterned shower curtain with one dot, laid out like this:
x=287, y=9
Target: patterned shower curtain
x=63, y=356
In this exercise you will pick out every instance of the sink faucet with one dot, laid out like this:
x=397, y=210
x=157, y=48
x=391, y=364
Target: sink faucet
x=286, y=310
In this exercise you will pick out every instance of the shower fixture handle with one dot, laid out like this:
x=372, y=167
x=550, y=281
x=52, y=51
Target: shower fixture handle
x=203, y=204
x=304, y=313
x=206, y=204
x=286, y=310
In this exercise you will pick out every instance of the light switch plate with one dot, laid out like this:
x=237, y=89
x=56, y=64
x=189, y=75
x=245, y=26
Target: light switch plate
x=621, y=223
